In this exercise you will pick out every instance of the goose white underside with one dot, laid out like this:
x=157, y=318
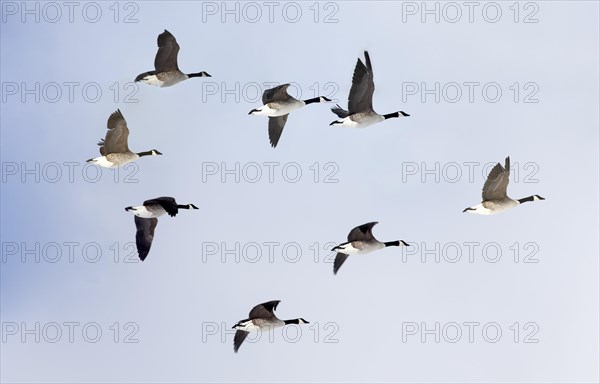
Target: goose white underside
x=153, y=80
x=169, y=80
x=103, y=162
x=247, y=326
x=117, y=160
x=142, y=211
x=362, y=123
x=479, y=209
x=349, y=249
x=278, y=110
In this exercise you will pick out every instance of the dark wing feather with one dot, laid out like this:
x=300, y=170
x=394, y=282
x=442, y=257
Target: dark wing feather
x=339, y=111
x=141, y=76
x=168, y=49
x=264, y=310
x=168, y=203
x=278, y=93
x=360, y=98
x=116, y=136
x=497, y=182
x=362, y=232
x=238, y=339
x=144, y=235
x=339, y=260
x=276, y=125
x=102, y=150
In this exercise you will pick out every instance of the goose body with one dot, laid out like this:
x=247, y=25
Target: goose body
x=359, y=120
x=278, y=104
x=491, y=207
x=166, y=70
x=360, y=113
x=114, y=148
x=262, y=316
x=162, y=79
x=146, y=219
x=494, y=196
x=114, y=160
x=360, y=241
x=275, y=109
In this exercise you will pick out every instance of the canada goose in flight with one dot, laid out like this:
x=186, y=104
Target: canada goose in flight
x=146, y=220
x=166, y=71
x=360, y=241
x=360, y=111
x=113, y=148
x=277, y=105
x=261, y=316
x=494, y=198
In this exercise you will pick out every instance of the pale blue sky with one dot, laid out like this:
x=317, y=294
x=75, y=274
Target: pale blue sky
x=182, y=290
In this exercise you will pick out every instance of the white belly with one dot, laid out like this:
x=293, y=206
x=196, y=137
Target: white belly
x=349, y=249
x=103, y=162
x=274, y=109
x=360, y=120
x=480, y=210
x=141, y=211
x=492, y=208
x=248, y=326
x=153, y=80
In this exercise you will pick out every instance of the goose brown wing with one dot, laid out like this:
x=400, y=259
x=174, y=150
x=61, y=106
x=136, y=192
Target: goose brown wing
x=339, y=260
x=238, y=339
x=276, y=125
x=497, y=182
x=144, y=235
x=264, y=310
x=360, y=98
x=278, y=93
x=168, y=49
x=168, y=203
x=116, y=136
x=362, y=232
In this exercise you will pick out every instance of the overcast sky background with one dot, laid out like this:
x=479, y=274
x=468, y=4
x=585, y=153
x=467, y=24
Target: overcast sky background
x=182, y=293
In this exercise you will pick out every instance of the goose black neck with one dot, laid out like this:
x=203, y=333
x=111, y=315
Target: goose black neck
x=293, y=321
x=392, y=243
x=313, y=100
x=187, y=206
x=147, y=153
x=198, y=74
x=396, y=114
x=525, y=199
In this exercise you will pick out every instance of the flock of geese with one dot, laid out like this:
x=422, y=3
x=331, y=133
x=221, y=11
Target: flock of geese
x=278, y=104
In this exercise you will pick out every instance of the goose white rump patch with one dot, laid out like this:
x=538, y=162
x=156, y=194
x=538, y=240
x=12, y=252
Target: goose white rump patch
x=103, y=162
x=153, y=80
